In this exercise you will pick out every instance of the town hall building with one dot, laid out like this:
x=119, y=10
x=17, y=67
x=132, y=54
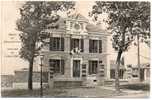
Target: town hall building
x=76, y=53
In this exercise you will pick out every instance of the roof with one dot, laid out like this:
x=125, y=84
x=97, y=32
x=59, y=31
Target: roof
x=94, y=28
x=61, y=24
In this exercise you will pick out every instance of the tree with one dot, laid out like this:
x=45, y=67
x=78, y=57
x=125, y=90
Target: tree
x=126, y=21
x=35, y=16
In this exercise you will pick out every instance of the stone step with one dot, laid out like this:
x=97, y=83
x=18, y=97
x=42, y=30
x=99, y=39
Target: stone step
x=67, y=84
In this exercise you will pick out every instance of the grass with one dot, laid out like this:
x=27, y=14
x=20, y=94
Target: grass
x=19, y=93
x=74, y=92
x=137, y=86
x=61, y=92
x=27, y=93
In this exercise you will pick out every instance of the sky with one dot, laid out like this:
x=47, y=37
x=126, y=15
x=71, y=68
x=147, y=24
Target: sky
x=9, y=15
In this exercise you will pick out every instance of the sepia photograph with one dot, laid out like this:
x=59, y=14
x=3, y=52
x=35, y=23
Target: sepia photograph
x=75, y=49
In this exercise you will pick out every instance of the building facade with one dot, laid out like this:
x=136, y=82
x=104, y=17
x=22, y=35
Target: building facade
x=76, y=53
x=133, y=75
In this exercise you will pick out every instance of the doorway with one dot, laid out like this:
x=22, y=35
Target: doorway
x=76, y=68
x=142, y=74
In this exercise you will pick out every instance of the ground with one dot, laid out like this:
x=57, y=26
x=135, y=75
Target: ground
x=100, y=92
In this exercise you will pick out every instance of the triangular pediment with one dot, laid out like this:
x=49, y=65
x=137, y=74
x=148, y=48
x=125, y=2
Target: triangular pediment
x=78, y=16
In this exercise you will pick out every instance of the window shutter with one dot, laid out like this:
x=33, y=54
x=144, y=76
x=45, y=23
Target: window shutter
x=71, y=44
x=62, y=44
x=90, y=67
x=51, y=68
x=90, y=43
x=82, y=45
x=51, y=43
x=62, y=66
x=100, y=46
x=97, y=64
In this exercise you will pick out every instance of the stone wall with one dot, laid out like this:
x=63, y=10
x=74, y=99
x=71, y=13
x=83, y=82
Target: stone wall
x=22, y=76
x=7, y=81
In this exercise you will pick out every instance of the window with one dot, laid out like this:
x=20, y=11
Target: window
x=95, y=46
x=77, y=43
x=58, y=65
x=93, y=67
x=56, y=44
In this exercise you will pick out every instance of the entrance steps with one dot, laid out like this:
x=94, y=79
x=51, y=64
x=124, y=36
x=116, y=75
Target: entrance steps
x=111, y=82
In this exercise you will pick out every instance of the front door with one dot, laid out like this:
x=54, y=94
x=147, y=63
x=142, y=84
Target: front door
x=76, y=68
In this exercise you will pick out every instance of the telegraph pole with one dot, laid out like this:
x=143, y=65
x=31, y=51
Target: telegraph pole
x=138, y=55
x=41, y=81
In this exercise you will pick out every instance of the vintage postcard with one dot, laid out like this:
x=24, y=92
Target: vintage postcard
x=75, y=49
